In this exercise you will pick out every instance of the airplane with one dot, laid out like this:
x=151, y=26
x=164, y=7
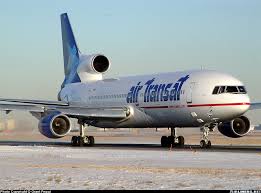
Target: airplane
x=204, y=99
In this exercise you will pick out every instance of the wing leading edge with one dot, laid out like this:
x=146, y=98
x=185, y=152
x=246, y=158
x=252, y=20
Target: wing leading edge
x=71, y=110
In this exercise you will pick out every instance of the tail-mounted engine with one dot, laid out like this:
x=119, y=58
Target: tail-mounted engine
x=92, y=67
x=236, y=128
x=54, y=125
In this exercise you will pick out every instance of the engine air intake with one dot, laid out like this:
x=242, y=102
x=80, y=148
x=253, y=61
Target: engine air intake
x=101, y=64
x=236, y=128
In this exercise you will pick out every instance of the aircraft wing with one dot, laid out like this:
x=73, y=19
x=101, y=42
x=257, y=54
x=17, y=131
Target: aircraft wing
x=12, y=107
x=71, y=110
x=42, y=102
x=254, y=106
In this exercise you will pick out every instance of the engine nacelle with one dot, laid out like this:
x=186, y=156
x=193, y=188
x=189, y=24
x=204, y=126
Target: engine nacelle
x=92, y=67
x=236, y=128
x=55, y=125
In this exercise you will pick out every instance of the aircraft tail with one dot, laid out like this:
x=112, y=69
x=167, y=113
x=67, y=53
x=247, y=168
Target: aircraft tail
x=71, y=52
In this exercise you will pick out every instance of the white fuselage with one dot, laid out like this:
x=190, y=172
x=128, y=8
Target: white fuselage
x=179, y=99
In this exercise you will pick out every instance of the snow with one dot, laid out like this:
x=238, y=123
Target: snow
x=51, y=167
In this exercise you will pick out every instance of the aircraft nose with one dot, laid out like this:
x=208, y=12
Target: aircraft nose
x=247, y=98
x=245, y=104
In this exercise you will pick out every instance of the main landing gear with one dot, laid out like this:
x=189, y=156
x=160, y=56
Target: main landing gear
x=82, y=140
x=173, y=140
x=205, y=142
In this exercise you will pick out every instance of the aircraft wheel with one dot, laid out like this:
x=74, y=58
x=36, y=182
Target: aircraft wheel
x=208, y=145
x=74, y=141
x=81, y=141
x=181, y=141
x=202, y=144
x=164, y=141
x=171, y=141
x=91, y=141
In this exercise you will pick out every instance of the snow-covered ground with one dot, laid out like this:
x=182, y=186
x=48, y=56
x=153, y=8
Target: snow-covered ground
x=43, y=167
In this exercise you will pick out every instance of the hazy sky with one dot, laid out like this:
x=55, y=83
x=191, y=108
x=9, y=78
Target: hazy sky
x=139, y=37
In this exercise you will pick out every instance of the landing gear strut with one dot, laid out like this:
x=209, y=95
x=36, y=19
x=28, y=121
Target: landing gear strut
x=82, y=140
x=205, y=142
x=173, y=139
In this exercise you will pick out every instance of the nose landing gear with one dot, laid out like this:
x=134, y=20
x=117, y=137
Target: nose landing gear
x=173, y=139
x=205, y=142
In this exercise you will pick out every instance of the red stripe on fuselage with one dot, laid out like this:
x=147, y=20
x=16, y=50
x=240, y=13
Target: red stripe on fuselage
x=156, y=107
x=196, y=105
x=221, y=104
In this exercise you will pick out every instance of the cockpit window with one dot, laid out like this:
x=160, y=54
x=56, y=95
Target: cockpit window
x=242, y=89
x=221, y=89
x=215, y=91
x=229, y=89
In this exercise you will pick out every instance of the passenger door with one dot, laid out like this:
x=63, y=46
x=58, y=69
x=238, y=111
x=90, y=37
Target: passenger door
x=190, y=92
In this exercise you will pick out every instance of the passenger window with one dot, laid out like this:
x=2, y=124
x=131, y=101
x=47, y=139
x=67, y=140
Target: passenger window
x=215, y=91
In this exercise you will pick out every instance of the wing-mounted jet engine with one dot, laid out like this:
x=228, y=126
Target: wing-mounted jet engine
x=54, y=125
x=236, y=128
x=92, y=67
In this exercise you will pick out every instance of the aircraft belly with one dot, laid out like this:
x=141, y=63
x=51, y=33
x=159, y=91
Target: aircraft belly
x=138, y=118
x=145, y=118
x=166, y=117
x=201, y=115
x=228, y=112
x=211, y=114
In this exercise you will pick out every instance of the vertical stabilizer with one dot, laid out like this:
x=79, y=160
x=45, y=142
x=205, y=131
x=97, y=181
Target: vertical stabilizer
x=70, y=52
